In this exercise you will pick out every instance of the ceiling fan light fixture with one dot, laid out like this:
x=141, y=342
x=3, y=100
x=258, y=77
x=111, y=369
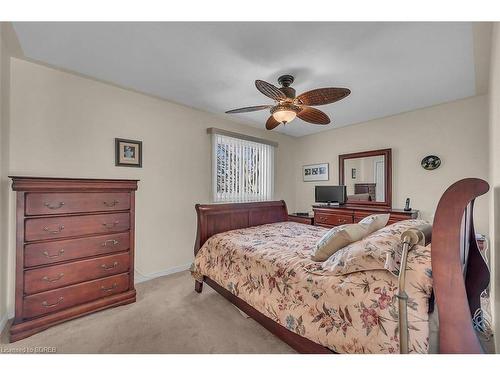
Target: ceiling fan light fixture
x=284, y=116
x=284, y=113
x=287, y=105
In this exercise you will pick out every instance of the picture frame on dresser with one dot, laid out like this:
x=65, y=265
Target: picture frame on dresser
x=74, y=249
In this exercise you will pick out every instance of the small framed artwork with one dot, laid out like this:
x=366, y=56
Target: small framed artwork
x=353, y=173
x=315, y=172
x=128, y=153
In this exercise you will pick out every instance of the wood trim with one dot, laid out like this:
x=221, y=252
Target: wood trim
x=217, y=218
x=477, y=276
x=241, y=136
x=132, y=240
x=309, y=220
x=456, y=334
x=387, y=153
x=20, y=197
x=55, y=184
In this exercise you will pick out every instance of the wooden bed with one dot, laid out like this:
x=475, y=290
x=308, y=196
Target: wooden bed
x=454, y=254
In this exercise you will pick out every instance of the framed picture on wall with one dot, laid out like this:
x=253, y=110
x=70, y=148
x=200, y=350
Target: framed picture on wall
x=128, y=153
x=353, y=173
x=315, y=172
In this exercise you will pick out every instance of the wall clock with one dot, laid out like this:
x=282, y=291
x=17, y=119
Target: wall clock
x=431, y=162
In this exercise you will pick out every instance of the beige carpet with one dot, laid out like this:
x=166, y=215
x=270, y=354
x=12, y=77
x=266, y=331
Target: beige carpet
x=168, y=317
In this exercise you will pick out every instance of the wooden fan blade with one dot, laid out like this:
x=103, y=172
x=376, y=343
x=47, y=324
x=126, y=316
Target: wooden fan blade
x=269, y=90
x=249, y=109
x=271, y=123
x=323, y=96
x=313, y=115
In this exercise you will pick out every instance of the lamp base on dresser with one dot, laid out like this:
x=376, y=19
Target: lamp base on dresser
x=21, y=330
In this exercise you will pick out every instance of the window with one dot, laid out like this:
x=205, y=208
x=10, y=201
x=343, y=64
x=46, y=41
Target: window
x=243, y=169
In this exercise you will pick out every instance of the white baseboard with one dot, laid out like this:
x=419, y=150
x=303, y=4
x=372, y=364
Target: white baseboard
x=139, y=277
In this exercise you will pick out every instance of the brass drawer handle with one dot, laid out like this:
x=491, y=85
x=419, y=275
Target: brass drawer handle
x=57, y=278
x=104, y=289
x=342, y=221
x=107, y=268
x=113, y=243
x=46, y=304
x=110, y=225
x=53, y=207
x=59, y=230
x=111, y=204
x=59, y=254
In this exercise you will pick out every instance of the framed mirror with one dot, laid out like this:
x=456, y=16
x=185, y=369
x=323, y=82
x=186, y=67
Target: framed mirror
x=367, y=176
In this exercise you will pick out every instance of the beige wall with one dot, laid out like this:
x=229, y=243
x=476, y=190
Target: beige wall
x=2, y=135
x=457, y=132
x=4, y=185
x=494, y=137
x=65, y=125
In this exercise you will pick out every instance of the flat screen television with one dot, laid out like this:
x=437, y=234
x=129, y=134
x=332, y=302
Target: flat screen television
x=330, y=194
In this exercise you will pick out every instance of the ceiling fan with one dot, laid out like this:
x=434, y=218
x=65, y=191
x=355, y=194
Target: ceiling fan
x=288, y=106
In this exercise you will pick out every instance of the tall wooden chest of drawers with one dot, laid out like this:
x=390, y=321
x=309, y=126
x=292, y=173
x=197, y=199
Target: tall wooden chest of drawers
x=74, y=249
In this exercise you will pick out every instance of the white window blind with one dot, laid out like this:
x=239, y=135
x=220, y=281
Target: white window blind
x=243, y=170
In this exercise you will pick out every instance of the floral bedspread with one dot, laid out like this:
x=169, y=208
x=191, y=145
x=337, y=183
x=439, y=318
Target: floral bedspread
x=269, y=267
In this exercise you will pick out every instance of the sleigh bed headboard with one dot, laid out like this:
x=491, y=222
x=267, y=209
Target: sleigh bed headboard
x=459, y=271
x=218, y=218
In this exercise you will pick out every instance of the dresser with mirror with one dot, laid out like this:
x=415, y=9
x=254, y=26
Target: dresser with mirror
x=367, y=177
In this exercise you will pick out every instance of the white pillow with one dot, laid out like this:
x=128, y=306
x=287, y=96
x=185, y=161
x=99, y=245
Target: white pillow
x=344, y=235
x=380, y=250
x=375, y=222
x=338, y=238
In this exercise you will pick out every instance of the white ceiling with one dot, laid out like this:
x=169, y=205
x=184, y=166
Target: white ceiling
x=389, y=67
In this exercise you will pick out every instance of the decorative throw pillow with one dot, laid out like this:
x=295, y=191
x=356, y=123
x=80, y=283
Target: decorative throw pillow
x=378, y=251
x=337, y=238
x=343, y=235
x=375, y=222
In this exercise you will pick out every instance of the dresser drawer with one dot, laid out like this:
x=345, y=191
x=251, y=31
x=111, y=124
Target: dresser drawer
x=59, y=227
x=395, y=218
x=38, y=254
x=301, y=219
x=62, y=298
x=332, y=220
x=358, y=216
x=63, y=203
x=52, y=277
